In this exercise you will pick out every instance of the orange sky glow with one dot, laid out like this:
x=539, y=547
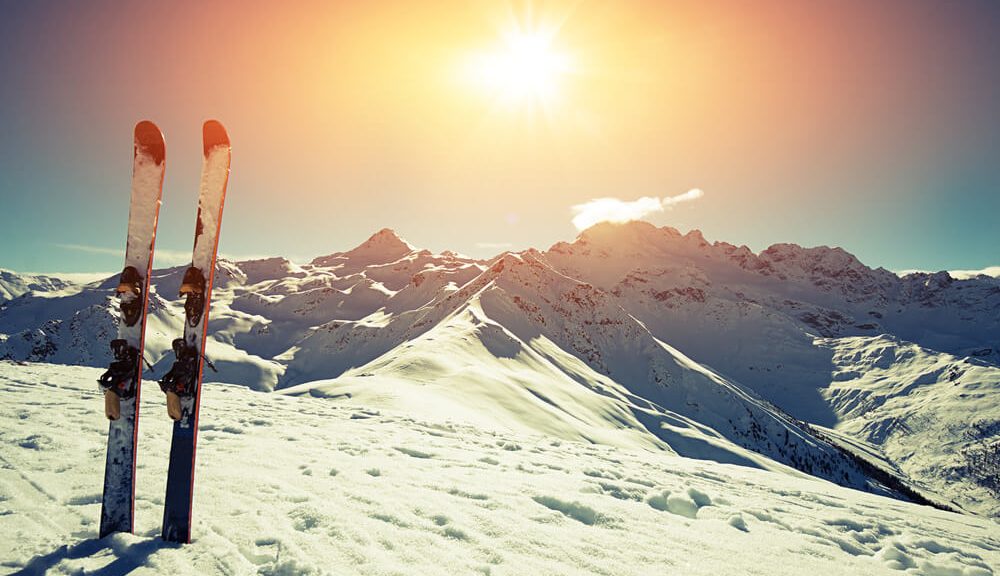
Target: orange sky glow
x=806, y=122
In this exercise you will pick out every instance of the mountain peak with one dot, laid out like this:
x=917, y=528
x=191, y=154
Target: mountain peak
x=381, y=247
x=820, y=261
x=616, y=232
x=634, y=237
x=386, y=238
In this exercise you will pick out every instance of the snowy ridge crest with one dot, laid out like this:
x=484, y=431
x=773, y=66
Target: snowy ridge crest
x=631, y=335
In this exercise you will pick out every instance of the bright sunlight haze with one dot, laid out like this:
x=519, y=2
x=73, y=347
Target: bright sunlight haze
x=526, y=69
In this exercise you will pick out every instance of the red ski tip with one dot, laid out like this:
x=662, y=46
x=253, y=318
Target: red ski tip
x=213, y=134
x=149, y=140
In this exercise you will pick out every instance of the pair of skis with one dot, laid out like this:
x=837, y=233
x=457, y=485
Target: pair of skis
x=182, y=383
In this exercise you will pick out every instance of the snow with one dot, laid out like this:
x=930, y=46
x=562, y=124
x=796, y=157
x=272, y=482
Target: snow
x=75, y=278
x=383, y=247
x=916, y=406
x=632, y=336
x=14, y=284
x=303, y=485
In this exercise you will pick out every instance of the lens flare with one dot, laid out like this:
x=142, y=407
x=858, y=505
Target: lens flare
x=528, y=69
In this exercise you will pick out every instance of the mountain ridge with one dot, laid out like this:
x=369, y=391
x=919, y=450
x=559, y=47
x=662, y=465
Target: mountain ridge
x=709, y=348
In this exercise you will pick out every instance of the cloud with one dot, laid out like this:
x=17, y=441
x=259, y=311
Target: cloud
x=166, y=257
x=692, y=194
x=615, y=210
x=245, y=257
x=161, y=257
x=494, y=245
x=993, y=271
x=91, y=249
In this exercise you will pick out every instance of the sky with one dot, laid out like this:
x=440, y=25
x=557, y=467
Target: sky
x=874, y=126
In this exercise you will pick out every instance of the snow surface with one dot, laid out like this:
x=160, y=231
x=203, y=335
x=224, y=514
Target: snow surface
x=630, y=336
x=918, y=406
x=302, y=485
x=14, y=284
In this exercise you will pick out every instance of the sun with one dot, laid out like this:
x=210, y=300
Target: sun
x=527, y=69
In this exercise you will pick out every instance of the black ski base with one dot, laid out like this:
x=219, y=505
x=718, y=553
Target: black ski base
x=177, y=505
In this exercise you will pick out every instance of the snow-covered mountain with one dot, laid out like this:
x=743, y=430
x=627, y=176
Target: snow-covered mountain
x=13, y=284
x=631, y=336
x=932, y=414
x=755, y=316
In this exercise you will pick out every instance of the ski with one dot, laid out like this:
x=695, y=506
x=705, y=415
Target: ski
x=121, y=382
x=182, y=384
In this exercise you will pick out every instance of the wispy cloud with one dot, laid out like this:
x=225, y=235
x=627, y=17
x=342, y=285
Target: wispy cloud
x=165, y=257
x=90, y=249
x=162, y=257
x=993, y=271
x=615, y=210
x=243, y=257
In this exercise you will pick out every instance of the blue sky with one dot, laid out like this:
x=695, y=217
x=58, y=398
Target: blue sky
x=871, y=126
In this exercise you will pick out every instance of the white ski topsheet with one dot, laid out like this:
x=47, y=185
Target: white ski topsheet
x=214, y=176
x=146, y=181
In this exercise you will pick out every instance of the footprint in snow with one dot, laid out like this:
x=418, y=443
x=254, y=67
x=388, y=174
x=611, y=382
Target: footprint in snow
x=36, y=442
x=619, y=492
x=414, y=453
x=84, y=500
x=575, y=510
x=306, y=518
x=606, y=474
x=931, y=557
x=439, y=519
x=469, y=495
x=390, y=519
x=737, y=521
x=765, y=516
x=454, y=533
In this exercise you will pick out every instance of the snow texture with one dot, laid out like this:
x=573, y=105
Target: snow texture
x=302, y=485
x=14, y=284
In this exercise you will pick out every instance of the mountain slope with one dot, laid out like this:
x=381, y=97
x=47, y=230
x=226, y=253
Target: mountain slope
x=524, y=345
x=930, y=413
x=345, y=489
x=13, y=284
x=631, y=335
x=755, y=317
